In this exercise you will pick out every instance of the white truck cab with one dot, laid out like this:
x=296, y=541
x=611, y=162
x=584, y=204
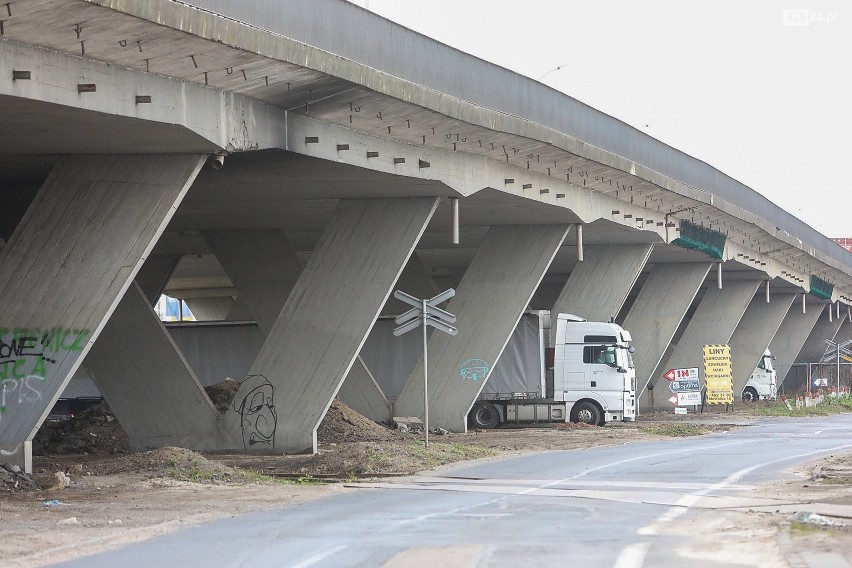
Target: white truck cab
x=763, y=383
x=593, y=370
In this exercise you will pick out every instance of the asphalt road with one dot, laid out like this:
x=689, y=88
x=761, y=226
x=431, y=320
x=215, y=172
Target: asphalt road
x=607, y=507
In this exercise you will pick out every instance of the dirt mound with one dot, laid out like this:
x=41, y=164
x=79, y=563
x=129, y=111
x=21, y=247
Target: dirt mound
x=222, y=393
x=93, y=431
x=175, y=463
x=342, y=424
x=12, y=479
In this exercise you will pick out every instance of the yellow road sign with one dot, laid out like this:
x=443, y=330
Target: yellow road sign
x=718, y=375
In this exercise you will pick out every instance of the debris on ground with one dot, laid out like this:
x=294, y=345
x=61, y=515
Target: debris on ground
x=93, y=431
x=13, y=479
x=405, y=424
x=818, y=520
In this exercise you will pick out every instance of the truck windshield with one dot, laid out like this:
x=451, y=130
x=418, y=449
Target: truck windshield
x=766, y=363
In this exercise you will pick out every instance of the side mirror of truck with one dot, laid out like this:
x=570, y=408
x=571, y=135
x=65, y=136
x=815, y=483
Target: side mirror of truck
x=621, y=370
x=631, y=349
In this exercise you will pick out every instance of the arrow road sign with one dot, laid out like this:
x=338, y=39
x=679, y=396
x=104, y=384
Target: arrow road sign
x=690, y=373
x=673, y=399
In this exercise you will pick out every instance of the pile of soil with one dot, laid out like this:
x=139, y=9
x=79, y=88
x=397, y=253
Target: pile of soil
x=222, y=393
x=342, y=424
x=12, y=479
x=93, y=431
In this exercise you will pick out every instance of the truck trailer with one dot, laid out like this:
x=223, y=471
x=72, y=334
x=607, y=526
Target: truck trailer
x=586, y=376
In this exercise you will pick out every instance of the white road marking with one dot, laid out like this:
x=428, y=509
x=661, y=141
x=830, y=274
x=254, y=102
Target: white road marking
x=632, y=556
x=318, y=557
x=685, y=502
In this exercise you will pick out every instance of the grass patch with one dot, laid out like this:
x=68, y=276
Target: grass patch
x=830, y=405
x=676, y=430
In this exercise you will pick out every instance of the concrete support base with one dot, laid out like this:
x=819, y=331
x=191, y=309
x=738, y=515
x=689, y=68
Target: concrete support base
x=324, y=322
x=489, y=301
x=754, y=333
x=657, y=312
x=146, y=381
x=67, y=266
x=713, y=323
x=362, y=393
x=598, y=286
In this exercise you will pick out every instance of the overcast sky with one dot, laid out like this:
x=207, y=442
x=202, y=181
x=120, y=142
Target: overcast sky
x=729, y=82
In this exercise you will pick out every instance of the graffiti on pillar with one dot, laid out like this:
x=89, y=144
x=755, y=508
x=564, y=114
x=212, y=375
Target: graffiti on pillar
x=258, y=417
x=474, y=370
x=26, y=356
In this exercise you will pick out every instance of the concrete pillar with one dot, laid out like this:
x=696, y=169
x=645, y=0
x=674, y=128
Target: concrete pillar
x=489, y=301
x=657, y=312
x=754, y=333
x=324, y=323
x=264, y=269
x=67, y=266
x=146, y=381
x=791, y=336
x=362, y=393
x=155, y=274
x=262, y=266
x=713, y=323
x=598, y=286
x=814, y=348
x=210, y=309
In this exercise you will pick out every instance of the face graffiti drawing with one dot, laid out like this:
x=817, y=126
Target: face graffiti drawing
x=258, y=418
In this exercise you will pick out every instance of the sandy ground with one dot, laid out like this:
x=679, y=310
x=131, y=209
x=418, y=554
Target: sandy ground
x=116, y=499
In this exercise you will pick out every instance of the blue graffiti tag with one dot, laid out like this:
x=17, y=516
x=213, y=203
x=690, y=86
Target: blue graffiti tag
x=474, y=369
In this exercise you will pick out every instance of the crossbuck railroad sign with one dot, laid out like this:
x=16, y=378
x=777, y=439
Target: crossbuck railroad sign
x=425, y=313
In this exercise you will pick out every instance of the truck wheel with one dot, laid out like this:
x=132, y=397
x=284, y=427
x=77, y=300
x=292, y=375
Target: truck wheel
x=484, y=415
x=587, y=413
x=750, y=395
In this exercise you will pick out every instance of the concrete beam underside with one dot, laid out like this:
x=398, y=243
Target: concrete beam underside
x=657, y=312
x=210, y=309
x=713, y=323
x=754, y=333
x=67, y=266
x=324, y=322
x=791, y=337
x=146, y=381
x=490, y=300
x=598, y=287
x=264, y=268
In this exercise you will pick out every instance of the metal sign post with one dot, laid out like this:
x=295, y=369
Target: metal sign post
x=425, y=313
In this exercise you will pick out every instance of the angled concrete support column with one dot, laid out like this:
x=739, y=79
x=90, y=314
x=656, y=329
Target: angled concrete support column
x=754, y=333
x=713, y=323
x=262, y=266
x=598, y=286
x=490, y=299
x=155, y=274
x=67, y=266
x=264, y=269
x=146, y=381
x=324, y=322
x=657, y=312
x=791, y=336
x=814, y=348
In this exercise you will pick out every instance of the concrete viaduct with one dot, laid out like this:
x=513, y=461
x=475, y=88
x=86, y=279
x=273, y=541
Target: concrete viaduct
x=344, y=142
